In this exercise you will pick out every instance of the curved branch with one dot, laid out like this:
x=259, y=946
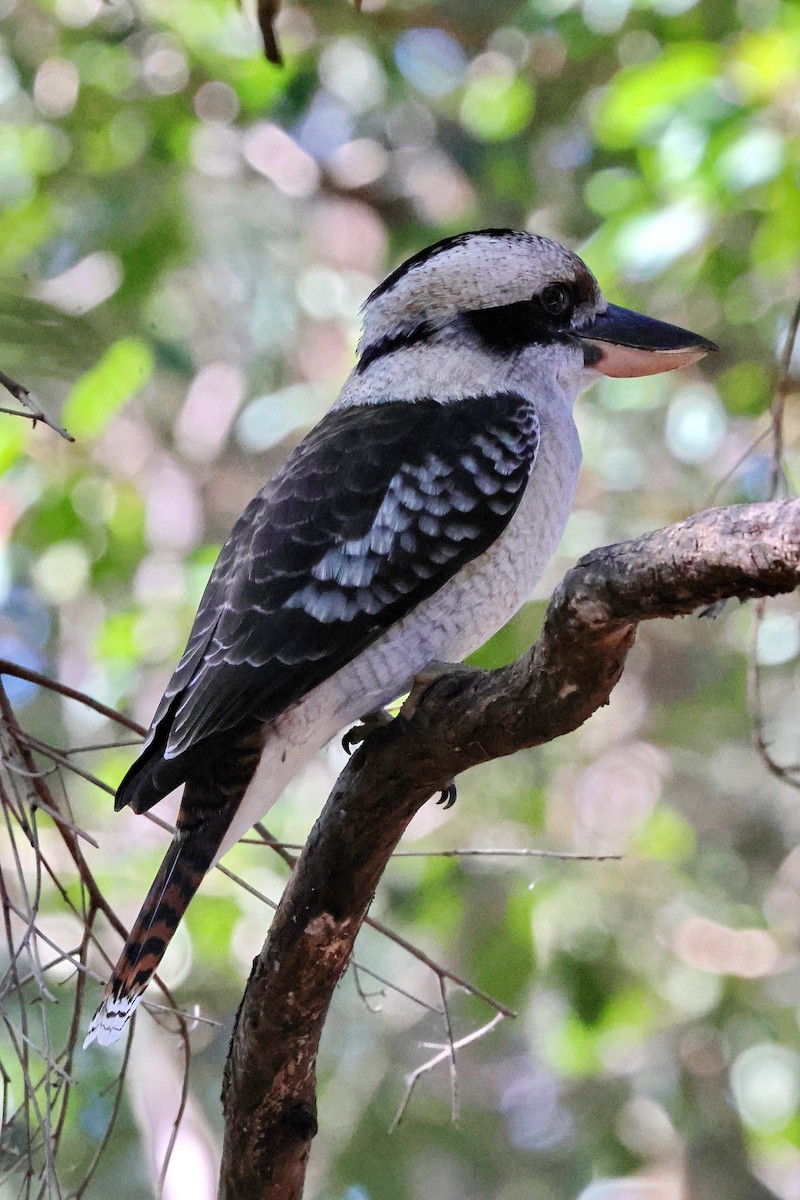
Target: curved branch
x=465, y=718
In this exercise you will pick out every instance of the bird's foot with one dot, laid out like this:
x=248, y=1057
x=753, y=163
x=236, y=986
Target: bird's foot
x=425, y=679
x=367, y=725
x=422, y=681
x=373, y=721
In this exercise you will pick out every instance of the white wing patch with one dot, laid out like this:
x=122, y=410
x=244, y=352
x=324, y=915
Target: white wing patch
x=423, y=500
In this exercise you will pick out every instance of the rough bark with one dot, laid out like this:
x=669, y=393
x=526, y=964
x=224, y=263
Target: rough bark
x=465, y=718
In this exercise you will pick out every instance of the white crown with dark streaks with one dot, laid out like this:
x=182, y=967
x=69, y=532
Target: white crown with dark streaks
x=485, y=269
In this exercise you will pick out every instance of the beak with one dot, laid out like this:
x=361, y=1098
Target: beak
x=619, y=342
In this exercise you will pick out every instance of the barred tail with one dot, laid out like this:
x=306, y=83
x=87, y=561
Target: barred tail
x=188, y=859
x=210, y=802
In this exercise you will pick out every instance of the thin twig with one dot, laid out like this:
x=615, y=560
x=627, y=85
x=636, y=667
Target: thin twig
x=481, y=852
x=57, y=816
x=64, y=955
x=247, y=887
x=489, y=852
x=52, y=685
x=58, y=757
x=90, y=749
x=439, y=971
x=743, y=457
x=191, y=1018
x=43, y=1122
x=119, y=1086
x=35, y=413
x=253, y=891
x=782, y=388
x=184, y=1099
x=446, y=1053
x=365, y=997
x=787, y=774
x=451, y=1054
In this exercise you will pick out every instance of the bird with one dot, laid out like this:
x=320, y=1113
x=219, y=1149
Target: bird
x=406, y=528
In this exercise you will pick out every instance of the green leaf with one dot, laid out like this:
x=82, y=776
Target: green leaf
x=641, y=97
x=122, y=371
x=744, y=387
x=666, y=836
x=12, y=437
x=495, y=108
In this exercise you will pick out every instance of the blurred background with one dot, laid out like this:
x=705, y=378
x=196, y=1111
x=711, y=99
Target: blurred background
x=186, y=235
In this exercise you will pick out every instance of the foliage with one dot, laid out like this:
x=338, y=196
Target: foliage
x=186, y=235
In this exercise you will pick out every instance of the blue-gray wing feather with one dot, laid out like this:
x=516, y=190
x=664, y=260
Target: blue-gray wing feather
x=372, y=513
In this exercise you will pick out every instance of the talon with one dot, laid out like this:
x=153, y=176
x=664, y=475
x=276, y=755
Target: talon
x=352, y=737
x=367, y=725
x=448, y=796
x=710, y=612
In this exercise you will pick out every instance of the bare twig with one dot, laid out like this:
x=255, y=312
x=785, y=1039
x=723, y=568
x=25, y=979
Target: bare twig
x=25, y=793
x=451, y=1054
x=52, y=685
x=447, y=1052
x=491, y=852
x=782, y=389
x=118, y=1086
x=34, y=413
x=440, y=971
x=57, y=816
x=365, y=997
x=743, y=457
x=470, y=852
x=182, y=1102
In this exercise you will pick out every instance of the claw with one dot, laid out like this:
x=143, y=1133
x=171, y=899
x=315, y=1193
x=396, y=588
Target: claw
x=352, y=738
x=712, y=611
x=448, y=795
x=367, y=725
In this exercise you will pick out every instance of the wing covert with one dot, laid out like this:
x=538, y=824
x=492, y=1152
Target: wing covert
x=372, y=513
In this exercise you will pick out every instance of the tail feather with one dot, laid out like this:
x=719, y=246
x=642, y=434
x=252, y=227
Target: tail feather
x=210, y=801
x=188, y=859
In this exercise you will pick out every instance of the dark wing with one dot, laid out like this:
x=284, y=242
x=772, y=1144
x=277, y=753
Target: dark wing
x=372, y=513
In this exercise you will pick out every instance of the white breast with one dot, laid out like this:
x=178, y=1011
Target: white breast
x=484, y=595
x=448, y=626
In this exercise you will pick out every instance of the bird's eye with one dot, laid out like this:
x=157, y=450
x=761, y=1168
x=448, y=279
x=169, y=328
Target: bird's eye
x=557, y=299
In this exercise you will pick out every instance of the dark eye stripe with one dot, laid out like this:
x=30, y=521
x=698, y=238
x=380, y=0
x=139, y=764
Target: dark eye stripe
x=511, y=327
x=392, y=342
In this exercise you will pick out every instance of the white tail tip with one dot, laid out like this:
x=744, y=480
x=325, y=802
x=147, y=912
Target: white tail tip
x=108, y=1023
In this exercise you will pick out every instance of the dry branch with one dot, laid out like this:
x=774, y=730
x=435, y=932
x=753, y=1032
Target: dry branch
x=31, y=1128
x=32, y=411
x=465, y=718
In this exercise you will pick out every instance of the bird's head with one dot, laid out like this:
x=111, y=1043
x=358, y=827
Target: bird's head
x=514, y=289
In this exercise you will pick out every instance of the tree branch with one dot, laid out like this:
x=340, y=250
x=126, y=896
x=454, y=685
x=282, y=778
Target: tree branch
x=34, y=412
x=465, y=718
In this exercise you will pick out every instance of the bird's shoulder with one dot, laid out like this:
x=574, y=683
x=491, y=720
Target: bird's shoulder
x=374, y=510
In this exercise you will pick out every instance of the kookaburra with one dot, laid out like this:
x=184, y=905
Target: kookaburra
x=408, y=526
